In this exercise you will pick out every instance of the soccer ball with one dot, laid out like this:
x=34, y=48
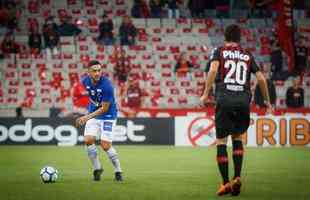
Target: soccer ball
x=48, y=174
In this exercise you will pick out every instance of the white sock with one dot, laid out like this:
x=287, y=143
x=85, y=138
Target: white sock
x=112, y=154
x=93, y=156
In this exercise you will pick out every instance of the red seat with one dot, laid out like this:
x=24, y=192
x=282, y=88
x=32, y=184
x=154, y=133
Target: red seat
x=71, y=2
x=182, y=100
x=155, y=83
x=170, y=83
x=190, y=91
x=33, y=6
x=157, y=30
x=32, y=24
x=199, y=74
x=185, y=83
x=100, y=48
x=170, y=30
x=150, y=66
x=45, y=91
x=100, y=57
x=11, y=75
x=161, y=48
x=174, y=91
x=11, y=100
x=28, y=83
x=89, y=3
x=13, y=90
x=12, y=66
x=13, y=83
x=91, y=11
x=120, y=12
x=166, y=66
x=103, y=2
x=120, y=2
x=30, y=92
x=83, y=48
x=166, y=74
x=175, y=49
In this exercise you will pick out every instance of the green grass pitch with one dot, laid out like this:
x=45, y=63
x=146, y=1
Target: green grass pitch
x=151, y=173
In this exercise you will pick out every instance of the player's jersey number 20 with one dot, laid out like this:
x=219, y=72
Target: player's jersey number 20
x=237, y=72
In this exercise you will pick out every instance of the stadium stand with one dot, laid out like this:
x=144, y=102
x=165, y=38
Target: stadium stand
x=38, y=82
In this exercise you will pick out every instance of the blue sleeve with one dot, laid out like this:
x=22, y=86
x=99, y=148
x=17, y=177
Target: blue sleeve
x=83, y=81
x=108, y=92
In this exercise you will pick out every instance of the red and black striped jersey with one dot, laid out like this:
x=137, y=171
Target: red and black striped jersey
x=235, y=68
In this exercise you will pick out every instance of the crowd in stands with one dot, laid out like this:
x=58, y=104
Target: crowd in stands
x=46, y=38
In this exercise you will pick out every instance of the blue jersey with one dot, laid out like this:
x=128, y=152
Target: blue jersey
x=99, y=93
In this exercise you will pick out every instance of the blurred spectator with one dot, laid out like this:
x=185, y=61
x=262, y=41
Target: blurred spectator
x=197, y=8
x=67, y=28
x=50, y=25
x=79, y=98
x=156, y=8
x=258, y=97
x=140, y=9
x=122, y=66
x=127, y=32
x=133, y=94
x=9, y=45
x=295, y=95
x=183, y=8
x=105, y=31
x=173, y=8
x=51, y=36
x=222, y=8
x=3, y=19
x=276, y=58
x=301, y=55
x=131, y=98
x=13, y=15
x=183, y=66
x=35, y=42
x=260, y=8
x=33, y=6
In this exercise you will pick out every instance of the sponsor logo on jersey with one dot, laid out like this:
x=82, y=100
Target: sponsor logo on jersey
x=235, y=55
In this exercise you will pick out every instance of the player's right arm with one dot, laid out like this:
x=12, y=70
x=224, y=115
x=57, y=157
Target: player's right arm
x=104, y=106
x=262, y=82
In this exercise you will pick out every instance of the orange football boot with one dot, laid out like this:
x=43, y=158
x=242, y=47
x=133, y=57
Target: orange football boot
x=224, y=189
x=235, y=186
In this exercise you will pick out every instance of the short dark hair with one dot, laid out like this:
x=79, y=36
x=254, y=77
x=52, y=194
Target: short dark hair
x=93, y=62
x=232, y=33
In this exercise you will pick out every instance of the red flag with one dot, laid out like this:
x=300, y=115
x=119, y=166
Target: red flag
x=285, y=29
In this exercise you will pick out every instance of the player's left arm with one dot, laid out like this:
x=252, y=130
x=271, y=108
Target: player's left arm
x=210, y=80
x=102, y=109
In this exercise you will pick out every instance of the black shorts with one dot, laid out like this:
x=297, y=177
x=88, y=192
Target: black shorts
x=231, y=120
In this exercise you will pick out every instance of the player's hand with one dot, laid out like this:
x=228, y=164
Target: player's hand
x=205, y=100
x=81, y=121
x=270, y=108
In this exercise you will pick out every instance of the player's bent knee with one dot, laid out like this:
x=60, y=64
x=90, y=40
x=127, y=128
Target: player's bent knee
x=105, y=145
x=221, y=141
x=89, y=140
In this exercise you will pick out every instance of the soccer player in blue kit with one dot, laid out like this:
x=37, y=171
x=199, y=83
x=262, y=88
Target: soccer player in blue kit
x=101, y=119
